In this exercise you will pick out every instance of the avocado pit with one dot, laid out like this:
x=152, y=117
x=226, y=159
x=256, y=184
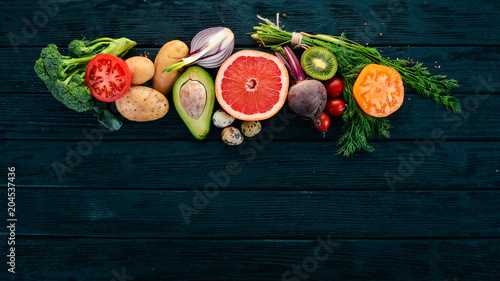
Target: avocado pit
x=193, y=97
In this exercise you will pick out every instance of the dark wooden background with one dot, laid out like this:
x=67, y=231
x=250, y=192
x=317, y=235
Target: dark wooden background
x=116, y=215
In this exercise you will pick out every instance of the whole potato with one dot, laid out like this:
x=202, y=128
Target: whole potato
x=142, y=69
x=172, y=52
x=142, y=103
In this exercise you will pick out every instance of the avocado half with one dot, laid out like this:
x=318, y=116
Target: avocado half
x=194, y=98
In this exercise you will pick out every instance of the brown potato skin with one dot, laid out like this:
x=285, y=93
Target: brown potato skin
x=142, y=69
x=141, y=104
x=172, y=52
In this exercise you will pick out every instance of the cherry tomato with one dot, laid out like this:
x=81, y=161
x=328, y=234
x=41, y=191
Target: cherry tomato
x=107, y=77
x=335, y=107
x=322, y=123
x=334, y=87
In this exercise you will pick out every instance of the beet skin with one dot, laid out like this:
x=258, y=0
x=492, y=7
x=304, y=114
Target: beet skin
x=307, y=98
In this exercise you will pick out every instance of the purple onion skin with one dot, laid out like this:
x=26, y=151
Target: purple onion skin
x=307, y=98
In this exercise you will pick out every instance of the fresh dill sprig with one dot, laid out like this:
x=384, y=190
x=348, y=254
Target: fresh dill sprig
x=359, y=127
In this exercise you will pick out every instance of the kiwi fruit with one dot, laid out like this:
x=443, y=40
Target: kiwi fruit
x=319, y=63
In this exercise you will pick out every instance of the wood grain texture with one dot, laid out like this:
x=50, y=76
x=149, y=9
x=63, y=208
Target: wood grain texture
x=269, y=214
x=415, y=209
x=164, y=259
x=155, y=22
x=475, y=68
x=257, y=165
x=45, y=118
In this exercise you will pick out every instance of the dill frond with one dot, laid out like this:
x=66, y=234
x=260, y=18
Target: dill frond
x=359, y=127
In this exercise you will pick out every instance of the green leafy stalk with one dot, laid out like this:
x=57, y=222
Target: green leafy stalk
x=105, y=117
x=359, y=127
x=414, y=76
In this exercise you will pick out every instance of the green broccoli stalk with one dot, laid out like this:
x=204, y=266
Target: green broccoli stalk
x=64, y=76
x=79, y=48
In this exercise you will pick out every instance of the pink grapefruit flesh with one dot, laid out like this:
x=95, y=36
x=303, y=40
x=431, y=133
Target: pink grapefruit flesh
x=252, y=85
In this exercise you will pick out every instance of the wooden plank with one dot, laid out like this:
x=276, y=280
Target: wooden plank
x=253, y=165
x=158, y=259
x=269, y=214
x=44, y=118
x=416, y=209
x=154, y=22
x=475, y=68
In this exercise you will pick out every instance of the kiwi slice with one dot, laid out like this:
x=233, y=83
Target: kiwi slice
x=319, y=63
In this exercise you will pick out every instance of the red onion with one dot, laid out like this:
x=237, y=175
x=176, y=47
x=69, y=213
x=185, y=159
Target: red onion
x=209, y=48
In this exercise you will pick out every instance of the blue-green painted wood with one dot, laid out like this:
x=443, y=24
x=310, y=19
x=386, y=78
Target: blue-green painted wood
x=45, y=118
x=154, y=22
x=266, y=214
x=79, y=259
x=476, y=68
x=259, y=165
x=117, y=211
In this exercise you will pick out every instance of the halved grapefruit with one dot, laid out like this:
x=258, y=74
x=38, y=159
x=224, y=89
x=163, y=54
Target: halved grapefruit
x=252, y=85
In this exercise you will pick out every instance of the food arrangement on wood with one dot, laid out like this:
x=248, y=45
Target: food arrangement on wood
x=334, y=77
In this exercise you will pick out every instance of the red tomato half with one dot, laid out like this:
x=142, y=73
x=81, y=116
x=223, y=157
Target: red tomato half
x=107, y=77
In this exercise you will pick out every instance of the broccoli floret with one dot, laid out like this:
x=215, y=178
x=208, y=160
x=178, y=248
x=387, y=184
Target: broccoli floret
x=73, y=93
x=52, y=61
x=64, y=76
x=59, y=66
x=42, y=71
x=79, y=48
